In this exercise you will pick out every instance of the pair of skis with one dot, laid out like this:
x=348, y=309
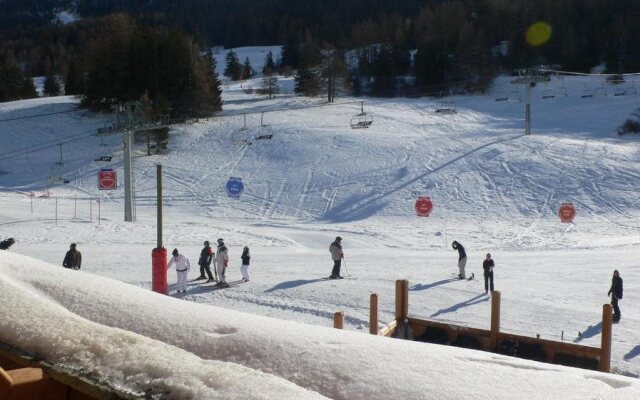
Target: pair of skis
x=328, y=278
x=471, y=278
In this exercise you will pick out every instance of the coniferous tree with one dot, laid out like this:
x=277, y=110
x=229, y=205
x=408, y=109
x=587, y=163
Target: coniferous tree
x=73, y=84
x=233, y=69
x=14, y=84
x=289, y=54
x=213, y=82
x=307, y=78
x=269, y=66
x=51, y=85
x=306, y=82
x=247, y=69
x=333, y=72
x=270, y=84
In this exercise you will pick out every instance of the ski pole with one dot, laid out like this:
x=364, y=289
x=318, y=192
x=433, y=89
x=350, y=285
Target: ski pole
x=345, y=267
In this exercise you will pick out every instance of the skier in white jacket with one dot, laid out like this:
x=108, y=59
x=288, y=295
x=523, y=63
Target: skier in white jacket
x=221, y=260
x=182, y=268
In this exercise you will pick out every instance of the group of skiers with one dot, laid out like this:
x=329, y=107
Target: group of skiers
x=488, y=264
x=220, y=259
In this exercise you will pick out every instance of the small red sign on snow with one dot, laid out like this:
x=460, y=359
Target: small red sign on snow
x=424, y=206
x=566, y=212
x=107, y=179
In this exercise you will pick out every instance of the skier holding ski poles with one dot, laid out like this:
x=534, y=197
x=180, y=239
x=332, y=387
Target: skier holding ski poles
x=336, y=255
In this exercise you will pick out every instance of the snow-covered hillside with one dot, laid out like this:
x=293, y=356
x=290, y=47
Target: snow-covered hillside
x=494, y=190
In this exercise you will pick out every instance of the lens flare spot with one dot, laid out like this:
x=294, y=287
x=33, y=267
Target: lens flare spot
x=538, y=34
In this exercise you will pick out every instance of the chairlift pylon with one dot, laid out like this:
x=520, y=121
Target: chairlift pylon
x=60, y=163
x=362, y=119
x=56, y=176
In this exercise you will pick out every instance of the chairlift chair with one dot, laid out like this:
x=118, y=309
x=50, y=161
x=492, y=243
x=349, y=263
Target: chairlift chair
x=548, y=94
x=619, y=91
x=587, y=93
x=502, y=95
x=446, y=107
x=362, y=119
x=560, y=91
x=514, y=96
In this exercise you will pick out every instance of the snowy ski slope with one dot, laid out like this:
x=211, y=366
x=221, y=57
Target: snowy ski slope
x=494, y=190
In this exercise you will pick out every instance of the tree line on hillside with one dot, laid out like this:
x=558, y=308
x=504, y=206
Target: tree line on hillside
x=374, y=47
x=121, y=61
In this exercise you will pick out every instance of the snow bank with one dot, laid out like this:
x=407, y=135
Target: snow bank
x=32, y=320
x=195, y=351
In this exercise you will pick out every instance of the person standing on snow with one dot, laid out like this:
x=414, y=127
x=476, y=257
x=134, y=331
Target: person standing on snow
x=336, y=255
x=206, y=255
x=487, y=266
x=182, y=268
x=616, y=294
x=244, y=268
x=462, y=258
x=221, y=261
x=73, y=258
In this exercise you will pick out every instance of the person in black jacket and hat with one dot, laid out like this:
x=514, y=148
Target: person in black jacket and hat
x=206, y=256
x=336, y=255
x=487, y=266
x=73, y=258
x=616, y=294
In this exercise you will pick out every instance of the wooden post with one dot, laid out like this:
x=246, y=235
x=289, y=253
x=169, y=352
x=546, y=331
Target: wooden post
x=373, y=314
x=402, y=299
x=605, y=344
x=495, y=319
x=338, y=320
x=398, y=300
x=405, y=299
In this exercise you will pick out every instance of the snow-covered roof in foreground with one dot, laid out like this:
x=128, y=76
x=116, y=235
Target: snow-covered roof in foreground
x=139, y=340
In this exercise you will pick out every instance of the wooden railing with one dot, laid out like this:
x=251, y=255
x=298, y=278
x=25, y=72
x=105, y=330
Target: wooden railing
x=24, y=377
x=565, y=353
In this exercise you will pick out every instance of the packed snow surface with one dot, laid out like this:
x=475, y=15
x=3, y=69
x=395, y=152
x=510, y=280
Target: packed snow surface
x=493, y=189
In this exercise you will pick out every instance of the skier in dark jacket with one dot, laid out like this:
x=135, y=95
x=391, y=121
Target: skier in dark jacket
x=73, y=258
x=487, y=266
x=244, y=268
x=206, y=255
x=5, y=244
x=616, y=294
x=336, y=255
x=462, y=258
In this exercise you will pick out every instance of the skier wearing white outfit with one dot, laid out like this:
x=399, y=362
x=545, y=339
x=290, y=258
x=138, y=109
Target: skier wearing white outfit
x=221, y=260
x=182, y=268
x=244, y=269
